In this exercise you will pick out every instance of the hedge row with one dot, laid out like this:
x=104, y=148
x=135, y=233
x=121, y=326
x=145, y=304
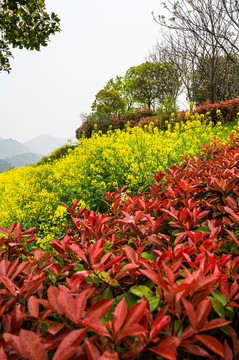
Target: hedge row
x=225, y=111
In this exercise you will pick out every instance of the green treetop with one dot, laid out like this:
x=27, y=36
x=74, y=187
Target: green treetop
x=24, y=24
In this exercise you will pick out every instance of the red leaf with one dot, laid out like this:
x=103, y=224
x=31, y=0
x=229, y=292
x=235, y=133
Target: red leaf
x=162, y=351
x=131, y=254
x=33, y=306
x=78, y=251
x=53, y=293
x=69, y=344
x=190, y=313
x=92, y=351
x=169, y=274
x=186, y=284
x=81, y=302
x=228, y=355
x=235, y=340
x=158, y=325
x=132, y=329
x=5, y=231
x=194, y=349
x=214, y=324
x=171, y=342
x=156, y=278
x=3, y=355
x=109, y=355
x=130, y=266
x=13, y=340
x=31, y=346
x=233, y=236
x=233, y=304
x=136, y=312
x=202, y=312
x=54, y=329
x=9, y=285
x=96, y=326
x=67, y=303
x=99, y=309
x=119, y=315
x=234, y=288
x=212, y=343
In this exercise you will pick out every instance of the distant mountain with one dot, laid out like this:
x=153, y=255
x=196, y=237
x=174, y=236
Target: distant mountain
x=23, y=159
x=44, y=144
x=4, y=165
x=15, y=154
x=10, y=147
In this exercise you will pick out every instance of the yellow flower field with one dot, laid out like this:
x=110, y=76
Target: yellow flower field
x=31, y=195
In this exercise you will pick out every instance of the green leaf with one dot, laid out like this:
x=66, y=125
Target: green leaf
x=148, y=256
x=107, y=294
x=153, y=303
x=130, y=300
x=219, y=296
x=225, y=329
x=53, y=278
x=218, y=307
x=203, y=229
x=79, y=267
x=141, y=291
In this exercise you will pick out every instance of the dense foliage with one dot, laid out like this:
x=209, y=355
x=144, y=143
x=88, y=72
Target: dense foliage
x=24, y=24
x=154, y=277
x=31, y=195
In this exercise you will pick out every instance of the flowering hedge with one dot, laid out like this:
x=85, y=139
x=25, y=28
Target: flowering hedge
x=154, y=277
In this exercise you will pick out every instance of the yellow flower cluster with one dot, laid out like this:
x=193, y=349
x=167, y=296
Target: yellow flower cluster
x=31, y=194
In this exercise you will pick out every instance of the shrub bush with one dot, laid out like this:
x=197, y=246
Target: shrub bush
x=225, y=111
x=155, y=277
x=103, y=122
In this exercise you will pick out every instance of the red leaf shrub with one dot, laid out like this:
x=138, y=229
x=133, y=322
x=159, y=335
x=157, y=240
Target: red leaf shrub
x=154, y=277
x=229, y=110
x=228, y=113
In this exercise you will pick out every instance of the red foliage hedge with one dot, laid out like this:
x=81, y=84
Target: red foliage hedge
x=154, y=277
x=229, y=110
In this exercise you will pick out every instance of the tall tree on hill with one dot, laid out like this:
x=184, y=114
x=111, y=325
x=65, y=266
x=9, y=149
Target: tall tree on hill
x=109, y=102
x=153, y=82
x=147, y=84
x=126, y=87
x=24, y=24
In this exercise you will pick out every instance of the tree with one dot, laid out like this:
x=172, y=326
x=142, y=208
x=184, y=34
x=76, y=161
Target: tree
x=24, y=24
x=216, y=22
x=152, y=83
x=226, y=84
x=125, y=86
x=190, y=44
x=109, y=102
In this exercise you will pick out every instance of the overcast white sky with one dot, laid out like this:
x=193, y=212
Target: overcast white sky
x=46, y=91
